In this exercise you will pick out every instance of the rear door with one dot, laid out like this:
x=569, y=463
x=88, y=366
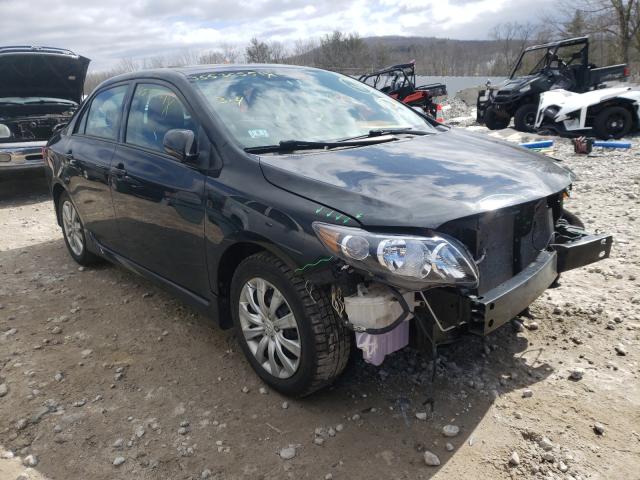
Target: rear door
x=87, y=156
x=159, y=201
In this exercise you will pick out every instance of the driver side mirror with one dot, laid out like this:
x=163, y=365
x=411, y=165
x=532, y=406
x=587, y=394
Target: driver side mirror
x=181, y=144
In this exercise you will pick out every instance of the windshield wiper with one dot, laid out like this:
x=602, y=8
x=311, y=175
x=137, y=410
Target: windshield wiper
x=390, y=131
x=293, y=145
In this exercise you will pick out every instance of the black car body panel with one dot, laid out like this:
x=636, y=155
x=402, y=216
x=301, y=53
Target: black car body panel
x=189, y=224
x=423, y=182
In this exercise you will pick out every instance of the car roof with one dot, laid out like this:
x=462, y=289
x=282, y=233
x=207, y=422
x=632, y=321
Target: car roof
x=560, y=43
x=169, y=73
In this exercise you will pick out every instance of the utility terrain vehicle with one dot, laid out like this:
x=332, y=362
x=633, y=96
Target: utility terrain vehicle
x=540, y=68
x=399, y=82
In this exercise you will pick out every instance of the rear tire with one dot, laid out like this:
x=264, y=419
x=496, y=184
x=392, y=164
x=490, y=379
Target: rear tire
x=612, y=122
x=73, y=232
x=324, y=342
x=525, y=117
x=495, y=121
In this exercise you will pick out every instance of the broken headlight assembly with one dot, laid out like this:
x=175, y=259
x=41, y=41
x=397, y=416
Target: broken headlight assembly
x=404, y=261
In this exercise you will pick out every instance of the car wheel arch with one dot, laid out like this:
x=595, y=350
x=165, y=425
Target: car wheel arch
x=227, y=264
x=56, y=192
x=594, y=110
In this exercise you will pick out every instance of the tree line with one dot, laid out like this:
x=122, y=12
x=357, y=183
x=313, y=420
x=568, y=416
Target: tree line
x=612, y=25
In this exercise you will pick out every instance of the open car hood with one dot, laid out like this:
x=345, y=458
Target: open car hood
x=42, y=72
x=419, y=182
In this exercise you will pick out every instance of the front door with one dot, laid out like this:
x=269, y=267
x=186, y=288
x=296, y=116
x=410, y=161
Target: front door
x=159, y=201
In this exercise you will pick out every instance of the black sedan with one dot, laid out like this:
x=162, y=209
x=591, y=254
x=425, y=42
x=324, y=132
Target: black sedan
x=301, y=205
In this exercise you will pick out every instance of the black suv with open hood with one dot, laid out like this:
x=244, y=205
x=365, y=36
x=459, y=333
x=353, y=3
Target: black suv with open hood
x=40, y=88
x=306, y=208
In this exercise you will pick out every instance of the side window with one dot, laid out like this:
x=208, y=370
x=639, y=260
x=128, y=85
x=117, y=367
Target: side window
x=82, y=123
x=104, y=113
x=154, y=111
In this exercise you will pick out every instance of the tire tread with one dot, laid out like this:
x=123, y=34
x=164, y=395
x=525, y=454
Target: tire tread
x=332, y=338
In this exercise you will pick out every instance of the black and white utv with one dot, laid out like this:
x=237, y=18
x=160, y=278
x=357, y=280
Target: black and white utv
x=606, y=113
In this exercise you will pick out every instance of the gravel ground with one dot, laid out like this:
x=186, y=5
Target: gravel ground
x=104, y=376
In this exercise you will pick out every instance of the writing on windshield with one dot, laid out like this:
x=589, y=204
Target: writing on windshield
x=299, y=103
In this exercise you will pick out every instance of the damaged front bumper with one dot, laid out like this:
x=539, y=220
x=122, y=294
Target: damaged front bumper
x=440, y=315
x=445, y=314
x=504, y=302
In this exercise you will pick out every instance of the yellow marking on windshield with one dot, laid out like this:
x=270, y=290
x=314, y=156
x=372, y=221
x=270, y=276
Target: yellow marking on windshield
x=237, y=99
x=240, y=74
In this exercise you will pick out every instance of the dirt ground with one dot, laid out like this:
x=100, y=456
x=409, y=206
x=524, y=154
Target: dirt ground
x=100, y=366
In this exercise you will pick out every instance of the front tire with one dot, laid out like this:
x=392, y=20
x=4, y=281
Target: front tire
x=73, y=232
x=494, y=121
x=293, y=339
x=612, y=122
x=525, y=118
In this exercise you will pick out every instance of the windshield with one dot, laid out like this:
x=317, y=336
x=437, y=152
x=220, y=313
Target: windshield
x=266, y=106
x=531, y=63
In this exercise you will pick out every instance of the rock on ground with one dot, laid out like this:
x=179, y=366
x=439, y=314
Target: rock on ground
x=431, y=459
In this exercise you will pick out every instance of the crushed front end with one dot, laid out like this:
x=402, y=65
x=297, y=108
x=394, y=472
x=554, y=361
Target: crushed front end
x=472, y=275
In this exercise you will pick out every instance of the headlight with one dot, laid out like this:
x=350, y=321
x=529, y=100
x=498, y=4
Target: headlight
x=4, y=131
x=551, y=111
x=405, y=261
x=526, y=88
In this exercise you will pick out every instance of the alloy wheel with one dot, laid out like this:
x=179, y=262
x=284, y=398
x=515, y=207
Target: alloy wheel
x=72, y=228
x=270, y=328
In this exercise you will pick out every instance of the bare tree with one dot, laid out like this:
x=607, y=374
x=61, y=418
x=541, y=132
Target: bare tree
x=340, y=51
x=277, y=52
x=231, y=52
x=379, y=55
x=512, y=38
x=258, y=51
x=211, y=57
x=617, y=20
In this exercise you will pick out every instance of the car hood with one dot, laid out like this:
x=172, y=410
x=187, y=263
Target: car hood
x=42, y=72
x=419, y=182
x=514, y=83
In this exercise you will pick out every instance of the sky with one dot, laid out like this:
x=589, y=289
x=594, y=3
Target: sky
x=109, y=30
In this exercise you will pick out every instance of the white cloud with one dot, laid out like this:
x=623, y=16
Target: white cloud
x=107, y=31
